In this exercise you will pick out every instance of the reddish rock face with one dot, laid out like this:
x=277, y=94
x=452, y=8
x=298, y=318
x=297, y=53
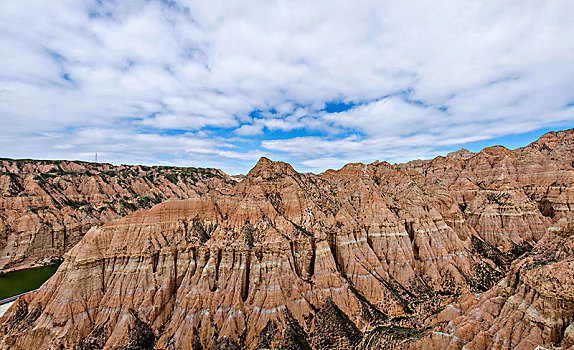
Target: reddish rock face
x=508, y=197
x=47, y=206
x=532, y=306
x=362, y=257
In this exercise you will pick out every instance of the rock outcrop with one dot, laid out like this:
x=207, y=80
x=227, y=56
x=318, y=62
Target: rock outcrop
x=507, y=197
x=365, y=257
x=47, y=206
x=532, y=306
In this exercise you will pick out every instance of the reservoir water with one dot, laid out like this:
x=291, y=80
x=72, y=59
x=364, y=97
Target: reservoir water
x=22, y=281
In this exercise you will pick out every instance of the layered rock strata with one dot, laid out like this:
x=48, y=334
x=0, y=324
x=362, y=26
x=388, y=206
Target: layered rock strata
x=532, y=306
x=363, y=257
x=507, y=197
x=47, y=206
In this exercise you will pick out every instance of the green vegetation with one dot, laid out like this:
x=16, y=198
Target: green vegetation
x=149, y=177
x=204, y=236
x=44, y=177
x=141, y=335
x=378, y=314
x=110, y=173
x=128, y=205
x=400, y=331
x=74, y=204
x=392, y=289
x=498, y=198
x=248, y=233
x=171, y=178
x=10, y=160
x=145, y=201
x=300, y=228
x=540, y=264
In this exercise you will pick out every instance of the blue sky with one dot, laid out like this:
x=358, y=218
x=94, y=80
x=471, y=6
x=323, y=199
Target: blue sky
x=318, y=84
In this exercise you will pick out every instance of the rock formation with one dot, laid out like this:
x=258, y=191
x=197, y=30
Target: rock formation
x=532, y=306
x=47, y=206
x=364, y=257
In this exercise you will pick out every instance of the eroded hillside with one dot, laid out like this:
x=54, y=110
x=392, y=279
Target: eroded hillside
x=47, y=206
x=369, y=256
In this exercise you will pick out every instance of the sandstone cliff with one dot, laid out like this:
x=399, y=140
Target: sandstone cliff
x=47, y=206
x=532, y=306
x=363, y=257
x=502, y=192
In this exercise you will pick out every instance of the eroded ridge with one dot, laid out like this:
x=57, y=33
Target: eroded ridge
x=47, y=206
x=363, y=257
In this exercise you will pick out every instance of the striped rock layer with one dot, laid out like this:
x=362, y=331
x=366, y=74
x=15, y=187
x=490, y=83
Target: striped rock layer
x=532, y=307
x=363, y=257
x=47, y=206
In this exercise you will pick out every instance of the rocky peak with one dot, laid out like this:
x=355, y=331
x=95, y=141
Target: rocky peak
x=266, y=169
x=495, y=151
x=554, y=138
x=462, y=154
x=352, y=170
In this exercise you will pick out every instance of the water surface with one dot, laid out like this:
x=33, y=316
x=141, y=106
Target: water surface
x=22, y=281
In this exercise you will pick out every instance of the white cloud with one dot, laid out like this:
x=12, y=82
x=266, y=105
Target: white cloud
x=187, y=121
x=425, y=77
x=249, y=130
x=387, y=117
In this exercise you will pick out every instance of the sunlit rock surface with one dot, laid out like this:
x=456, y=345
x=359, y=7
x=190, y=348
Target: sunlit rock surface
x=47, y=206
x=370, y=256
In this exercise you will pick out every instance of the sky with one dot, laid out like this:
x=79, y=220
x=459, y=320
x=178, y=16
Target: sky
x=315, y=83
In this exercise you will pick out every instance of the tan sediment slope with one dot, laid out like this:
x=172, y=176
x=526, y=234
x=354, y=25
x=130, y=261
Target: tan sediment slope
x=47, y=206
x=363, y=257
x=533, y=305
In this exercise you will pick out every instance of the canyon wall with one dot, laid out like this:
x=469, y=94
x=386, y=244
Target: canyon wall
x=532, y=306
x=47, y=206
x=369, y=256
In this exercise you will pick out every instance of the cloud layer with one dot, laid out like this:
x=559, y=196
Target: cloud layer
x=315, y=83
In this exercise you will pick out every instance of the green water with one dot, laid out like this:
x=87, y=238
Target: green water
x=22, y=281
